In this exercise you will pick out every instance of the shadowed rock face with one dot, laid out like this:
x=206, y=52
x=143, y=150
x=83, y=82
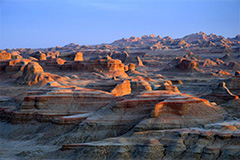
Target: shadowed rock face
x=121, y=56
x=221, y=94
x=56, y=105
x=135, y=60
x=72, y=56
x=39, y=55
x=188, y=65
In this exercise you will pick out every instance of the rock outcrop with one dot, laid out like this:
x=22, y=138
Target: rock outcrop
x=74, y=56
x=116, y=87
x=34, y=74
x=121, y=56
x=136, y=60
x=220, y=94
x=5, y=55
x=137, y=98
x=108, y=67
x=209, y=63
x=39, y=55
x=188, y=65
x=16, y=65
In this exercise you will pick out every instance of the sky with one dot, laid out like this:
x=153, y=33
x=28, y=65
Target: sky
x=50, y=23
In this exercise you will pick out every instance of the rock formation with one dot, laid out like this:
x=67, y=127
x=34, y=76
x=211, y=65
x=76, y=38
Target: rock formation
x=5, y=55
x=39, y=55
x=136, y=98
x=221, y=94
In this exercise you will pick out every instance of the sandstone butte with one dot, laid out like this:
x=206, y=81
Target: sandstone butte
x=138, y=98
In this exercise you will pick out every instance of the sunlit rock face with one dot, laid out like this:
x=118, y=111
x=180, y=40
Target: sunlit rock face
x=5, y=55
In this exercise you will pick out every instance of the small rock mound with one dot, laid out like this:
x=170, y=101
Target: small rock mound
x=32, y=68
x=16, y=55
x=39, y=55
x=188, y=65
x=131, y=67
x=122, y=89
x=226, y=57
x=34, y=74
x=140, y=86
x=209, y=63
x=5, y=55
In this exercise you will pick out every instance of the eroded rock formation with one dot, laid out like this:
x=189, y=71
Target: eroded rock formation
x=136, y=98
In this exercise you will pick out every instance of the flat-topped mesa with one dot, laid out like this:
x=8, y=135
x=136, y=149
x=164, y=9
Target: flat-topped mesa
x=109, y=67
x=50, y=103
x=179, y=112
x=144, y=108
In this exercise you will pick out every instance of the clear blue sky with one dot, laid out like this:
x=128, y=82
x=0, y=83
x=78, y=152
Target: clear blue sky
x=48, y=23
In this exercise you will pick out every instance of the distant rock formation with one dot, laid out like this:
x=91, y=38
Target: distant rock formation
x=136, y=60
x=5, y=55
x=209, y=63
x=187, y=65
x=39, y=55
x=72, y=56
x=121, y=56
